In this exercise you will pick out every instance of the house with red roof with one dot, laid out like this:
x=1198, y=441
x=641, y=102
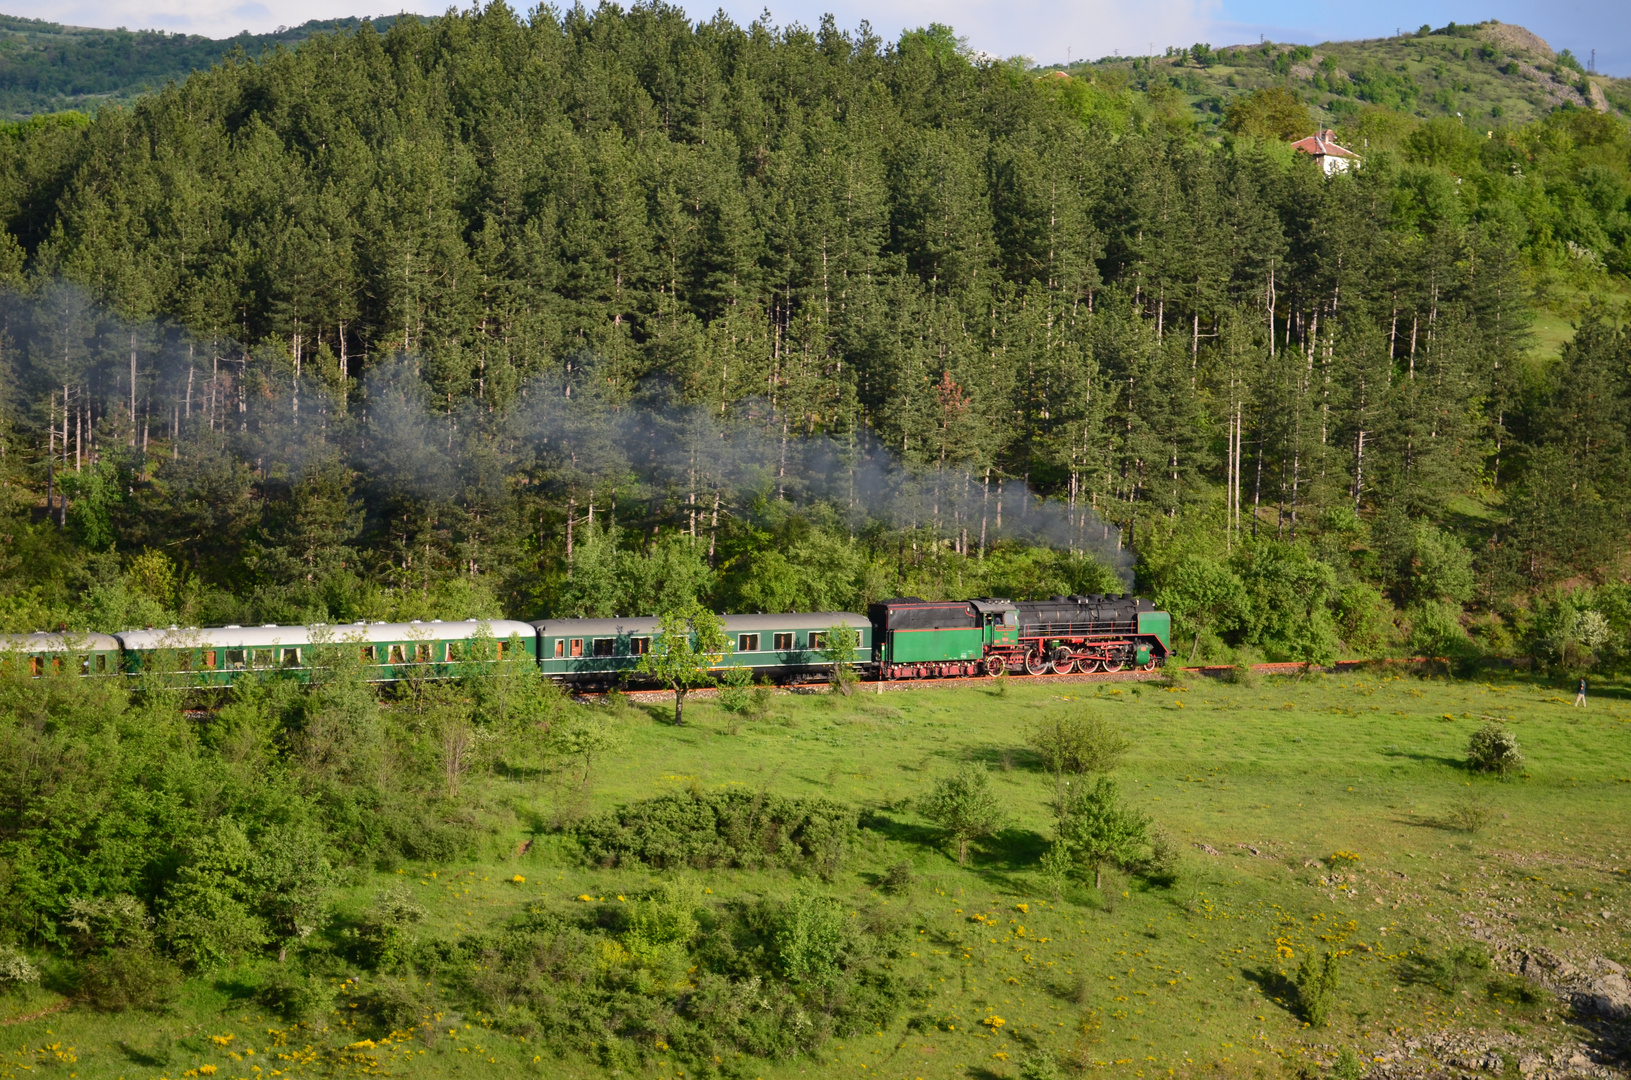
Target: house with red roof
x=1330, y=157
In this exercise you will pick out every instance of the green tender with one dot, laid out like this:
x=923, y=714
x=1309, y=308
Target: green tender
x=1158, y=623
x=928, y=646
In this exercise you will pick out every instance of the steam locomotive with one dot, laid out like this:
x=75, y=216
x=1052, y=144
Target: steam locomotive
x=903, y=638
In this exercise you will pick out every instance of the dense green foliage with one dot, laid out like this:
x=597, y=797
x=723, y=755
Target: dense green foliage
x=47, y=67
x=1487, y=73
x=721, y=828
x=608, y=311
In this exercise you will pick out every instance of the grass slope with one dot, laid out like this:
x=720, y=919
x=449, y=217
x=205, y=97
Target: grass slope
x=1490, y=74
x=1263, y=785
x=48, y=67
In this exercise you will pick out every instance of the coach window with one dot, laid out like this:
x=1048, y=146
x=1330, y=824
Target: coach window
x=365, y=653
x=577, y=646
x=102, y=663
x=503, y=650
x=560, y=648
x=84, y=665
x=209, y=659
x=818, y=640
x=639, y=646
x=747, y=642
x=291, y=657
x=421, y=653
x=235, y=658
x=397, y=655
x=605, y=646
x=784, y=642
x=36, y=664
x=184, y=660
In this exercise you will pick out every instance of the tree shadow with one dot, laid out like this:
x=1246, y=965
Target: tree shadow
x=235, y=987
x=1428, y=759
x=1276, y=988
x=658, y=714
x=1011, y=849
x=901, y=831
x=1006, y=759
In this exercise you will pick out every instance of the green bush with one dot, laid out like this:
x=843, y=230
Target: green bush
x=1318, y=980
x=721, y=828
x=292, y=995
x=1347, y=1066
x=109, y=922
x=129, y=979
x=1494, y=749
x=809, y=934
x=1470, y=812
x=391, y=1007
x=1038, y=1065
x=16, y=970
x=898, y=879
x=383, y=933
x=1450, y=970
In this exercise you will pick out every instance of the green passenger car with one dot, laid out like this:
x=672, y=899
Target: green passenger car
x=38, y=654
x=782, y=647
x=383, y=652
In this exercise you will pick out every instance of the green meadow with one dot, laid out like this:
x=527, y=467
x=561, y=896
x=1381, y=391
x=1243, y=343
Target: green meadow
x=1314, y=815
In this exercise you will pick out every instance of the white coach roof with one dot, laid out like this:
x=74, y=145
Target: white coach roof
x=255, y=637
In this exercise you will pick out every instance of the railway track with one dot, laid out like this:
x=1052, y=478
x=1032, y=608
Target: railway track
x=873, y=686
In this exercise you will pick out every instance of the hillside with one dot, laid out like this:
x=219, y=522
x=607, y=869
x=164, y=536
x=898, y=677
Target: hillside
x=48, y=67
x=600, y=313
x=1491, y=74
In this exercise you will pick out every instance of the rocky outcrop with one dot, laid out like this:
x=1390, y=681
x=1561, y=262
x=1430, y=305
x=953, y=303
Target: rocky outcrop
x=1517, y=39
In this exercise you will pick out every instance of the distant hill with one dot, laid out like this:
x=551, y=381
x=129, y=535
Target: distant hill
x=48, y=67
x=1491, y=73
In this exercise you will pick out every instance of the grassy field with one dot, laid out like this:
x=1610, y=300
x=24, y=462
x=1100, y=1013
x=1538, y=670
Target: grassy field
x=1263, y=785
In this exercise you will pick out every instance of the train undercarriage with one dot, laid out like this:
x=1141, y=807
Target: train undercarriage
x=1034, y=657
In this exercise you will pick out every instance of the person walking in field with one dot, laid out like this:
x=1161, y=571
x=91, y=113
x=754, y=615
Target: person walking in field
x=1580, y=694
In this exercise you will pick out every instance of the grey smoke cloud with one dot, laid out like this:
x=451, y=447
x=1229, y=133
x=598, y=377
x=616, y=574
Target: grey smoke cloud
x=404, y=441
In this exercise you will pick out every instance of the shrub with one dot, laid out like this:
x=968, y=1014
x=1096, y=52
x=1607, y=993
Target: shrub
x=1450, y=970
x=1074, y=743
x=1240, y=675
x=808, y=935
x=390, y=1007
x=898, y=879
x=661, y=928
x=129, y=979
x=1471, y=812
x=1494, y=749
x=1348, y=1066
x=740, y=697
x=1318, y=980
x=293, y=996
x=721, y=828
x=1097, y=827
x=109, y=922
x=383, y=935
x=1038, y=1065
x=964, y=807
x=16, y=970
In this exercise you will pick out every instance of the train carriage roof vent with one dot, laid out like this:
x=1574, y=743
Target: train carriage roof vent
x=268, y=626
x=232, y=626
x=173, y=626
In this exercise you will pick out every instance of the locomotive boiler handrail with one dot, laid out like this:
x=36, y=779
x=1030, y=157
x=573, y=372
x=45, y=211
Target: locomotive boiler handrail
x=1077, y=629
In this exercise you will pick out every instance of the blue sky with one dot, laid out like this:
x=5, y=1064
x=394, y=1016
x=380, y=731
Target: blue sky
x=1048, y=31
